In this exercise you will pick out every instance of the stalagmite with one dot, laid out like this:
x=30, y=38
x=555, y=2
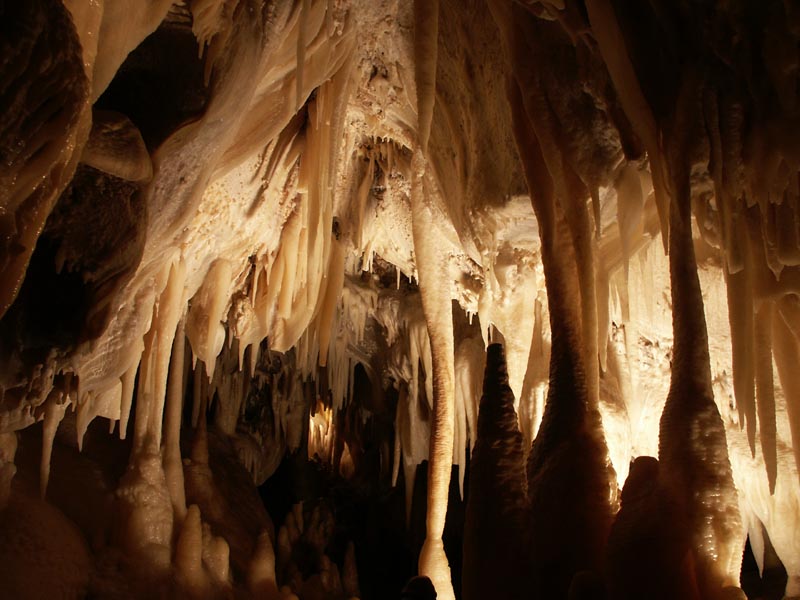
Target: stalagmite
x=350, y=573
x=216, y=558
x=145, y=515
x=284, y=550
x=649, y=548
x=189, y=553
x=261, y=576
x=496, y=537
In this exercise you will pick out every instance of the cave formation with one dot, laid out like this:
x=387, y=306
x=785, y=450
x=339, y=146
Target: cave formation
x=524, y=273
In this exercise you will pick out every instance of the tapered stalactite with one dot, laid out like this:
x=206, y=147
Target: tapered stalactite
x=785, y=332
x=611, y=42
x=127, y=381
x=330, y=303
x=495, y=532
x=54, y=411
x=426, y=32
x=693, y=449
x=173, y=466
x=766, y=391
x=740, y=313
x=165, y=323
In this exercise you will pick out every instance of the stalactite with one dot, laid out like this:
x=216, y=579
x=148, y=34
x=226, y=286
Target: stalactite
x=331, y=302
x=740, y=313
x=173, y=466
x=784, y=333
x=127, y=381
x=611, y=42
x=531, y=407
x=305, y=8
x=170, y=307
x=603, y=303
x=630, y=208
x=204, y=321
x=766, y=391
x=361, y=202
x=426, y=31
x=144, y=391
x=54, y=410
x=200, y=382
x=414, y=443
x=469, y=357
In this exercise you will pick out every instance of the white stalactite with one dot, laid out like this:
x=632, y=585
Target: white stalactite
x=173, y=465
x=54, y=411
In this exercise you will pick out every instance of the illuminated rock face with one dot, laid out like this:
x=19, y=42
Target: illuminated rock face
x=219, y=217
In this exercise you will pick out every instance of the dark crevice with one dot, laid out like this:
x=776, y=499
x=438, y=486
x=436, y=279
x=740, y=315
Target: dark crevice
x=160, y=86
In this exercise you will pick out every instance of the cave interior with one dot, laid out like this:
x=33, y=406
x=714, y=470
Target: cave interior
x=380, y=299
